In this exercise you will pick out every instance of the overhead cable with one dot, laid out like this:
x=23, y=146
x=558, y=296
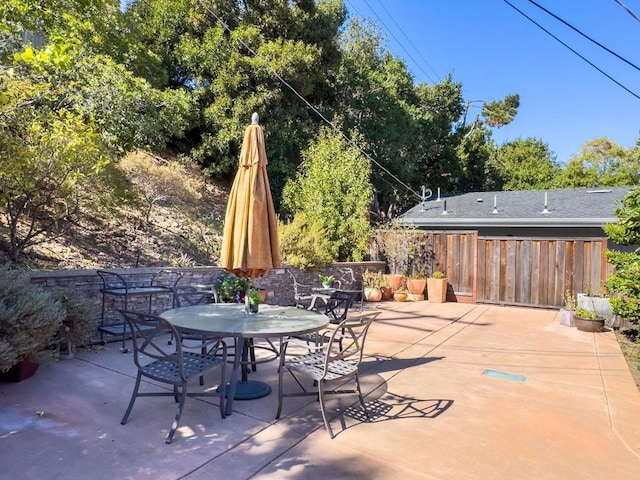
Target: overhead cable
x=306, y=102
x=400, y=43
x=571, y=49
x=585, y=36
x=628, y=10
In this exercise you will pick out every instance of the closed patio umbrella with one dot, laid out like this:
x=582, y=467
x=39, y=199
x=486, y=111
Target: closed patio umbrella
x=250, y=246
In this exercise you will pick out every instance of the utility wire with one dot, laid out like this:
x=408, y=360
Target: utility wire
x=571, y=49
x=584, y=35
x=405, y=36
x=306, y=102
x=628, y=10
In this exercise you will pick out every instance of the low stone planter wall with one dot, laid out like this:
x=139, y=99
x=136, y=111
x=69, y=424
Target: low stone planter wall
x=278, y=284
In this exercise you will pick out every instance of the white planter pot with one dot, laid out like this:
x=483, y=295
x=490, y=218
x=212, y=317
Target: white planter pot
x=566, y=318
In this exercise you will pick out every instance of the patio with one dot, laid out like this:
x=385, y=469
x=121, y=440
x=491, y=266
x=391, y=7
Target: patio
x=456, y=391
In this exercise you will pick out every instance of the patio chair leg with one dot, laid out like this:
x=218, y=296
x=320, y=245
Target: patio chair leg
x=323, y=410
x=132, y=401
x=366, y=412
x=176, y=421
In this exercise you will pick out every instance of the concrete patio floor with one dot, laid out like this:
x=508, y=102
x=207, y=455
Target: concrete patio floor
x=455, y=391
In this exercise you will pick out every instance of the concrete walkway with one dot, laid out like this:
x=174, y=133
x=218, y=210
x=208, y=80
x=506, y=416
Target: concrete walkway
x=455, y=391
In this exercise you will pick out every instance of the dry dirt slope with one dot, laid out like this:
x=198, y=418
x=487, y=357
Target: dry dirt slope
x=178, y=222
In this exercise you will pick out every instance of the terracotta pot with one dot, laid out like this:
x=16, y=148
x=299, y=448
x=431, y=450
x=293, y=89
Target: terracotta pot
x=21, y=371
x=372, y=294
x=437, y=290
x=588, y=325
x=414, y=297
x=394, y=281
x=387, y=293
x=400, y=297
x=416, y=286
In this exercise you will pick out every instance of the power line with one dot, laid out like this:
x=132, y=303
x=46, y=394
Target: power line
x=627, y=9
x=306, y=102
x=408, y=39
x=571, y=49
x=584, y=35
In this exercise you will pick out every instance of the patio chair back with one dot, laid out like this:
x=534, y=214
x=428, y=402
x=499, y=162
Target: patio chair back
x=302, y=294
x=338, y=304
x=163, y=362
x=337, y=360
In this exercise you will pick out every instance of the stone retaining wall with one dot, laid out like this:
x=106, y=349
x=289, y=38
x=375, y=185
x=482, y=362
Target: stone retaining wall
x=278, y=284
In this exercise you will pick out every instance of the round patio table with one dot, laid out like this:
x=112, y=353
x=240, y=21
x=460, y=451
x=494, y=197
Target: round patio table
x=231, y=320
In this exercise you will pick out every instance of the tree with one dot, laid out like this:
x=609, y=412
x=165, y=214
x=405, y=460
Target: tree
x=624, y=283
x=524, y=164
x=67, y=113
x=236, y=71
x=602, y=163
x=332, y=189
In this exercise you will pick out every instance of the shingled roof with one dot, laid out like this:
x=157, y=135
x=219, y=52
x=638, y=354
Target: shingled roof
x=576, y=207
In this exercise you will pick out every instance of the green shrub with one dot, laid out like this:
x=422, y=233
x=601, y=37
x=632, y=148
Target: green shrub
x=230, y=288
x=29, y=319
x=79, y=319
x=303, y=244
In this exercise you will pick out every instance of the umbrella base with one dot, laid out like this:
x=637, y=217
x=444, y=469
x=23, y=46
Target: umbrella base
x=249, y=390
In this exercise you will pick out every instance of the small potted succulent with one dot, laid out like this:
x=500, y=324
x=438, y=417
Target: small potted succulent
x=326, y=280
x=400, y=295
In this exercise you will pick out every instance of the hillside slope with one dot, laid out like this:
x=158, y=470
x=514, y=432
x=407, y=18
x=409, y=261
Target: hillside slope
x=178, y=222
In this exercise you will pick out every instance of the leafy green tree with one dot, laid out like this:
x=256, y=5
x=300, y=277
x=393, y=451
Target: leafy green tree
x=524, y=164
x=602, y=163
x=67, y=113
x=333, y=190
x=233, y=72
x=624, y=283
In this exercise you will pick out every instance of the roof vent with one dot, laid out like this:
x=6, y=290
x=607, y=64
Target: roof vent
x=444, y=208
x=495, y=204
x=546, y=210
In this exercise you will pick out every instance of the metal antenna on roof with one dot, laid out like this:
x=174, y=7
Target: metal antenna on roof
x=495, y=204
x=444, y=208
x=545, y=204
x=426, y=195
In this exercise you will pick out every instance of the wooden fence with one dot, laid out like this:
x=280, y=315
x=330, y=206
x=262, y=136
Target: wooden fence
x=527, y=271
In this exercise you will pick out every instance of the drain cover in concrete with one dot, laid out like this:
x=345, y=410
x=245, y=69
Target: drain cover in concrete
x=504, y=375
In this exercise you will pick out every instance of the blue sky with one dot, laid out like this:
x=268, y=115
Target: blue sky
x=493, y=51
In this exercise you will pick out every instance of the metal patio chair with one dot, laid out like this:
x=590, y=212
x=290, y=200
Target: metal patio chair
x=336, y=361
x=168, y=364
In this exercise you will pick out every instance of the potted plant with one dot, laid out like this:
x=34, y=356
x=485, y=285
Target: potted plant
x=29, y=320
x=598, y=303
x=372, y=283
x=400, y=295
x=397, y=244
x=79, y=320
x=326, y=280
x=416, y=285
x=255, y=299
x=588, y=320
x=230, y=288
x=385, y=288
x=567, y=313
x=437, y=287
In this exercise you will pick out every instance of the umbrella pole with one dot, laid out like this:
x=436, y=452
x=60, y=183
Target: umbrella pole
x=246, y=297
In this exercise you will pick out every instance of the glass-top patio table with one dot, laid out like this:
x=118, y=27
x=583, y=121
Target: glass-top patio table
x=231, y=320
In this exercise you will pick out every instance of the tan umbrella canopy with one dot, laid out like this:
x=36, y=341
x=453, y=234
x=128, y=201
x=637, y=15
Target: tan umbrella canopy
x=250, y=246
